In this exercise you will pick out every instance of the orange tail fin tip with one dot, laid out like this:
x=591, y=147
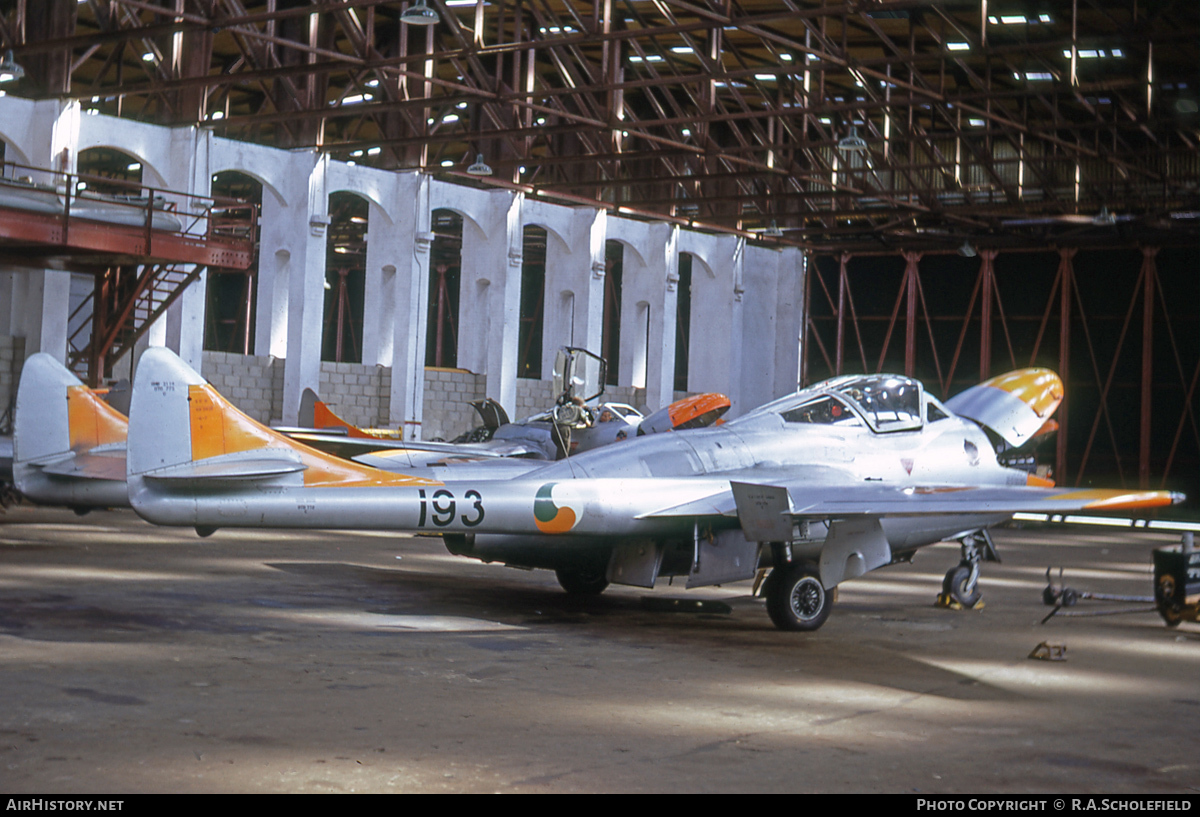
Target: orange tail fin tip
x=218, y=428
x=92, y=422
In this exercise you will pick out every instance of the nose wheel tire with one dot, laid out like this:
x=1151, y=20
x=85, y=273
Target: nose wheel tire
x=582, y=582
x=796, y=599
x=962, y=585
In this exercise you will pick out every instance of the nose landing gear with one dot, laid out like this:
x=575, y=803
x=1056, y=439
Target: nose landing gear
x=960, y=588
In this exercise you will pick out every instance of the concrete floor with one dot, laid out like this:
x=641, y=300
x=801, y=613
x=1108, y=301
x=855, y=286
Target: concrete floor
x=142, y=659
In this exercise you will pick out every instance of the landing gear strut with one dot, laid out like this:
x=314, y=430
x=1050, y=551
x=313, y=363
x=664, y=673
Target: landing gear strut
x=961, y=585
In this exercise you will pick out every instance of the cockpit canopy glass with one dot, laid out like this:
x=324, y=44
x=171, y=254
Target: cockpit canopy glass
x=888, y=402
x=824, y=410
x=883, y=402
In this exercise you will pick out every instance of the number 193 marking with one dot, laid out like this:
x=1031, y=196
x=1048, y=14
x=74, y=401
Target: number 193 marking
x=442, y=507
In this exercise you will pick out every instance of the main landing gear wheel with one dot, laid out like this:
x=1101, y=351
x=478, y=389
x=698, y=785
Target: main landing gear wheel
x=796, y=599
x=962, y=584
x=582, y=582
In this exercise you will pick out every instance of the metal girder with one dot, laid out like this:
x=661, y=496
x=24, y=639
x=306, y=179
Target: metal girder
x=966, y=108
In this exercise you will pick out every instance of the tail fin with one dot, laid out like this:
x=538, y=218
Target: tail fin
x=64, y=434
x=1017, y=406
x=182, y=430
x=316, y=413
x=57, y=414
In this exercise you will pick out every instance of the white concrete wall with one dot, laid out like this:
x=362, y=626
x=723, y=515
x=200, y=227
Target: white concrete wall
x=35, y=303
x=745, y=299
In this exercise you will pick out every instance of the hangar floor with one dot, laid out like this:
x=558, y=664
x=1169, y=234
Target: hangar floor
x=142, y=659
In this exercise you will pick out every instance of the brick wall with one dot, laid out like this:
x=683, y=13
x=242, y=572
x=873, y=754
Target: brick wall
x=533, y=397
x=360, y=393
x=253, y=384
x=448, y=396
x=356, y=392
x=630, y=396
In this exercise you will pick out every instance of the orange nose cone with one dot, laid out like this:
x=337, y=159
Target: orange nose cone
x=699, y=411
x=1040, y=389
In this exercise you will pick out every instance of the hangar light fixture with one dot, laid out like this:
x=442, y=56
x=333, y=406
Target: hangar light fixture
x=852, y=142
x=480, y=168
x=419, y=14
x=966, y=250
x=10, y=69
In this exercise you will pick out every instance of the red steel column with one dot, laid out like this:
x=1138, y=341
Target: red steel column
x=1066, y=271
x=988, y=275
x=910, y=330
x=839, y=352
x=810, y=266
x=1149, y=272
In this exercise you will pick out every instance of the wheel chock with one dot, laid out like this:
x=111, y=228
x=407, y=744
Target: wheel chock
x=1049, y=652
x=945, y=601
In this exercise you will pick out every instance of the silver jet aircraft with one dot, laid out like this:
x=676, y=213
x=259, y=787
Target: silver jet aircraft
x=68, y=446
x=821, y=486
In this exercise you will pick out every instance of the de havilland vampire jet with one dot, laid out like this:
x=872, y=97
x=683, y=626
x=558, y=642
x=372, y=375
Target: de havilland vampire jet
x=68, y=445
x=579, y=420
x=821, y=486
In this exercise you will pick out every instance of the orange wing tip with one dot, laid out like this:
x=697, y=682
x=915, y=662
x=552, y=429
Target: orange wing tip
x=1035, y=481
x=1128, y=500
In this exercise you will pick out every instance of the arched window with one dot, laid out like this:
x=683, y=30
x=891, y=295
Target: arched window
x=683, y=321
x=533, y=287
x=445, y=269
x=345, y=277
x=610, y=339
x=229, y=308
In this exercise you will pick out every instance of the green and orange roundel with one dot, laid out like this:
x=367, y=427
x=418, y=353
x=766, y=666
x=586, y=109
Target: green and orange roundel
x=548, y=517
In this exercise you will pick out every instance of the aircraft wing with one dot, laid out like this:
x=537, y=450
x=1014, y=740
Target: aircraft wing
x=798, y=500
x=420, y=453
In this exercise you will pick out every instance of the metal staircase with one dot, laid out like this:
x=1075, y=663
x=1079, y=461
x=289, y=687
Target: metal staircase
x=124, y=305
x=142, y=245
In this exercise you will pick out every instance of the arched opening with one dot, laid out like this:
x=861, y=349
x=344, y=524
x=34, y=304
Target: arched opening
x=533, y=288
x=345, y=277
x=610, y=338
x=683, y=321
x=445, y=272
x=114, y=172
x=109, y=172
x=230, y=300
